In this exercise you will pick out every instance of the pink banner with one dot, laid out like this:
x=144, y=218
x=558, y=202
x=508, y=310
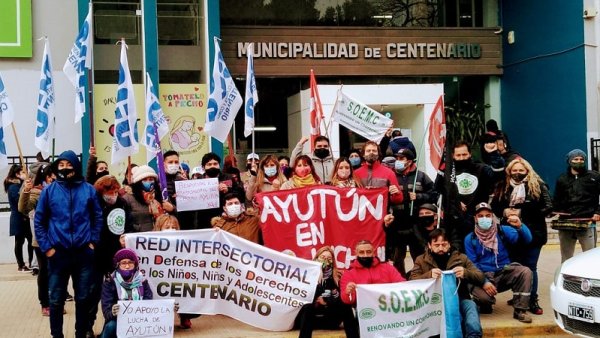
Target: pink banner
x=303, y=220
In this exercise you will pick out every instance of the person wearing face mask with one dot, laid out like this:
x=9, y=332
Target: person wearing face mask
x=374, y=175
x=343, y=175
x=95, y=169
x=487, y=248
x=576, y=196
x=366, y=269
x=19, y=227
x=116, y=214
x=321, y=157
x=416, y=188
x=303, y=174
x=426, y=222
x=252, y=162
x=355, y=158
x=327, y=311
x=68, y=221
x=465, y=183
x=441, y=256
x=284, y=166
x=268, y=178
x=127, y=282
x=238, y=220
x=174, y=172
x=145, y=200
x=524, y=193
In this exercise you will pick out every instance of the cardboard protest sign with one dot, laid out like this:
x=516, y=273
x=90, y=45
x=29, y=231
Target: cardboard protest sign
x=197, y=194
x=214, y=272
x=146, y=318
x=303, y=220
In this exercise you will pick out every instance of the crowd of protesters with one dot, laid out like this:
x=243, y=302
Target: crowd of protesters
x=491, y=233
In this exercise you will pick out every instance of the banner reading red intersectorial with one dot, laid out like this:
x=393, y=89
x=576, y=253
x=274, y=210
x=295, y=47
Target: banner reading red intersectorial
x=306, y=219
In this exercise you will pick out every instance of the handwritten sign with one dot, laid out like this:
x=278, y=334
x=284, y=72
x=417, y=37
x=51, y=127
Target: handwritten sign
x=146, y=318
x=197, y=194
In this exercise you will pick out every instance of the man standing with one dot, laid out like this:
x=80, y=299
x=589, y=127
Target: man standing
x=365, y=269
x=487, y=247
x=375, y=175
x=576, y=197
x=68, y=221
x=439, y=257
x=322, y=158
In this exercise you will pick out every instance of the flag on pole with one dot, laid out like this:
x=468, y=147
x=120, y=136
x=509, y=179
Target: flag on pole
x=224, y=101
x=125, y=140
x=316, y=110
x=44, y=132
x=251, y=97
x=6, y=115
x=156, y=123
x=437, y=133
x=80, y=58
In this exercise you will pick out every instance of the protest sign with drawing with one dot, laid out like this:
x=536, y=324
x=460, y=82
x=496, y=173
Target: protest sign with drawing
x=145, y=318
x=197, y=194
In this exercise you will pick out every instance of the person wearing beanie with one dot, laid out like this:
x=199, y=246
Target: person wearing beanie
x=126, y=282
x=68, y=222
x=576, y=196
x=145, y=200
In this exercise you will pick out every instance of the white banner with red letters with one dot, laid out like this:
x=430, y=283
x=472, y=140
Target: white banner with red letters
x=214, y=272
x=304, y=220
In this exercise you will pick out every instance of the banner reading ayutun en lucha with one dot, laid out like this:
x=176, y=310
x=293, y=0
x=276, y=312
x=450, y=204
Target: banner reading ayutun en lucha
x=306, y=219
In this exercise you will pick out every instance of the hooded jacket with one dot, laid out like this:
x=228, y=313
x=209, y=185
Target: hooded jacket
x=323, y=167
x=68, y=213
x=377, y=273
x=379, y=176
x=578, y=194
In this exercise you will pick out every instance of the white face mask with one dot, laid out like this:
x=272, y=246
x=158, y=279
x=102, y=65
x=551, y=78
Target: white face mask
x=172, y=169
x=233, y=210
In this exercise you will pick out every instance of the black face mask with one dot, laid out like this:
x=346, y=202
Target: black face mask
x=518, y=177
x=321, y=153
x=441, y=260
x=425, y=221
x=462, y=164
x=102, y=173
x=365, y=261
x=212, y=172
x=66, y=174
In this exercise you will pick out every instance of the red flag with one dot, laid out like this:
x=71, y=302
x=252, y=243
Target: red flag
x=437, y=133
x=316, y=110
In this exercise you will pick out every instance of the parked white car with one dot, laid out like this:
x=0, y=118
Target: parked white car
x=575, y=294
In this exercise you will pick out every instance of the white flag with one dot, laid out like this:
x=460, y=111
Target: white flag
x=6, y=115
x=359, y=118
x=156, y=123
x=80, y=58
x=251, y=97
x=225, y=100
x=44, y=132
x=125, y=141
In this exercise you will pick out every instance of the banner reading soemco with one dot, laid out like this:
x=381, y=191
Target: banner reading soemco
x=303, y=220
x=215, y=272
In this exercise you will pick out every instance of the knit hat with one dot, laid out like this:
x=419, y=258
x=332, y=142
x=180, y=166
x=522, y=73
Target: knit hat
x=575, y=153
x=482, y=206
x=405, y=152
x=429, y=206
x=140, y=172
x=125, y=254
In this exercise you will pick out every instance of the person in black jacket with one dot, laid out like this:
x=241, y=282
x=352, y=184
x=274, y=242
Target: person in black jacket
x=526, y=195
x=576, y=197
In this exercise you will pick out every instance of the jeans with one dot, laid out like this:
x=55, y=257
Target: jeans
x=471, y=324
x=330, y=319
x=529, y=258
x=77, y=264
x=110, y=329
x=42, y=278
x=19, y=242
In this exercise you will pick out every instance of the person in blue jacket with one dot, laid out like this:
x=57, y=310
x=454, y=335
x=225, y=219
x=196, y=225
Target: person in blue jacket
x=487, y=247
x=68, y=221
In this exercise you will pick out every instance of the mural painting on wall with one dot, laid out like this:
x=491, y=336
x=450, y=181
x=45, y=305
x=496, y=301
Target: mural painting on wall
x=184, y=106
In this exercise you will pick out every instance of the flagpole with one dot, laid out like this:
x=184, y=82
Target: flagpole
x=90, y=78
x=421, y=150
x=21, y=159
x=233, y=139
x=335, y=105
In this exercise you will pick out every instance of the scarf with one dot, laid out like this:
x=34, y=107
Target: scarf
x=518, y=194
x=489, y=238
x=349, y=183
x=300, y=182
x=133, y=290
x=154, y=206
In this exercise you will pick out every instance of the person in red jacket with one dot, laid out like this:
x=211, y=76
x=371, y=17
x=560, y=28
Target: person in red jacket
x=374, y=175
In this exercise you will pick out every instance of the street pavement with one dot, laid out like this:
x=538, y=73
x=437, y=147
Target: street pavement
x=20, y=314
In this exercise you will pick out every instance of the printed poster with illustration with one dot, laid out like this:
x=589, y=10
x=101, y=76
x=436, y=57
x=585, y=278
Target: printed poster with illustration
x=184, y=106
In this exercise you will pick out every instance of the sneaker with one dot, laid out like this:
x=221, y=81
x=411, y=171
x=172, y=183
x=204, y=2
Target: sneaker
x=535, y=308
x=35, y=271
x=90, y=334
x=24, y=268
x=69, y=297
x=510, y=302
x=46, y=311
x=522, y=316
x=186, y=323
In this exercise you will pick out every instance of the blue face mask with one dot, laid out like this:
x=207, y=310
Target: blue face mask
x=399, y=165
x=148, y=186
x=485, y=223
x=355, y=161
x=270, y=171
